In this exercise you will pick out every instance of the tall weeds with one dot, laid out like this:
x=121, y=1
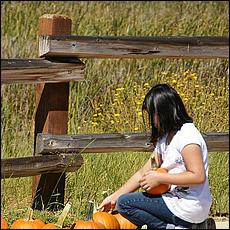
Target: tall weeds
x=109, y=100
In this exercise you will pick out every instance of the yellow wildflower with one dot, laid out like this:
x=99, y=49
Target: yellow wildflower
x=94, y=123
x=174, y=81
x=116, y=115
x=135, y=129
x=139, y=113
x=119, y=89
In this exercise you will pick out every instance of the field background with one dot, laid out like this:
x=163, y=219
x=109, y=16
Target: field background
x=109, y=100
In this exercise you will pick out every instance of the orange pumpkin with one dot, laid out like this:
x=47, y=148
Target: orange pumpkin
x=107, y=219
x=88, y=224
x=124, y=223
x=50, y=226
x=28, y=223
x=4, y=224
x=162, y=188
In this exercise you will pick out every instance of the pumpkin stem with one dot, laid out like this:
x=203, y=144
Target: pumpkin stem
x=30, y=214
x=63, y=215
x=95, y=207
x=90, y=210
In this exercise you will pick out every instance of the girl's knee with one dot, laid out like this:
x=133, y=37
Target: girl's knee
x=121, y=202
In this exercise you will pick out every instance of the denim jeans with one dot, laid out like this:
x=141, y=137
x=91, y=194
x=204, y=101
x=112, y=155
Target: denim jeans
x=144, y=209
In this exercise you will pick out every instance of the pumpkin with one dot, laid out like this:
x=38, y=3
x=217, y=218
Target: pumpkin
x=124, y=223
x=107, y=219
x=88, y=224
x=28, y=223
x=162, y=188
x=50, y=226
x=4, y=224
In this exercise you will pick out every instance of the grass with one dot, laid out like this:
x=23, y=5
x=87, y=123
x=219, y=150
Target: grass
x=109, y=100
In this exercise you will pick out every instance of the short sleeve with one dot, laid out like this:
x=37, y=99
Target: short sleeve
x=188, y=135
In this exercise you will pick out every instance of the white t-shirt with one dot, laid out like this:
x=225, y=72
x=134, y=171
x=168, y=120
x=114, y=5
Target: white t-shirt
x=190, y=204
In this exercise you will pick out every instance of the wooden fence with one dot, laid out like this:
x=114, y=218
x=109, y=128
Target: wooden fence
x=55, y=152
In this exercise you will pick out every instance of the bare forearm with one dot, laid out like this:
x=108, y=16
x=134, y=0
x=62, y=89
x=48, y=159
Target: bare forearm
x=133, y=183
x=130, y=186
x=181, y=179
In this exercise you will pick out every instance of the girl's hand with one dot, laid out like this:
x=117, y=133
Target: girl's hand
x=149, y=180
x=107, y=204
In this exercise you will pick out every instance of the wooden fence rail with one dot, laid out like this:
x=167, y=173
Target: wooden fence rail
x=92, y=143
x=41, y=70
x=134, y=47
x=35, y=165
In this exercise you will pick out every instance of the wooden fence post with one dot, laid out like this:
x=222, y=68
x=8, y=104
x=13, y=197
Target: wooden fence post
x=51, y=117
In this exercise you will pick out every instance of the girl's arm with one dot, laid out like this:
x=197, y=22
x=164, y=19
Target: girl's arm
x=130, y=186
x=194, y=175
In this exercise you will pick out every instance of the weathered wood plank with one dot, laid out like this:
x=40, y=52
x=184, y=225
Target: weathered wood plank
x=40, y=70
x=91, y=143
x=134, y=47
x=35, y=165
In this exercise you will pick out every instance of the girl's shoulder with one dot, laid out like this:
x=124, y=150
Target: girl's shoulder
x=188, y=129
x=188, y=134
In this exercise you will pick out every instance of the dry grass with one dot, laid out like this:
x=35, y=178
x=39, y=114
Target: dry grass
x=109, y=99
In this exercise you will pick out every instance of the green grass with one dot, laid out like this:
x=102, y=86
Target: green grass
x=97, y=105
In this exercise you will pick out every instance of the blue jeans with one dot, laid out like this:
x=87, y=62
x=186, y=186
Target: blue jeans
x=141, y=208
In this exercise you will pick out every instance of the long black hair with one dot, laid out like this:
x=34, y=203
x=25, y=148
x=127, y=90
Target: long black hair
x=163, y=100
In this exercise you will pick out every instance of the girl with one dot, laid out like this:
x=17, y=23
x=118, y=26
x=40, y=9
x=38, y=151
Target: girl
x=181, y=149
